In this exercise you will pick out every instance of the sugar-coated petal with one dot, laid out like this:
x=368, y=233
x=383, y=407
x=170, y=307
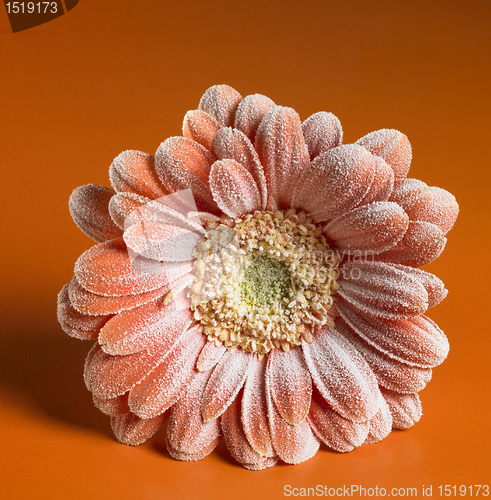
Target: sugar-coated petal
x=342, y=376
x=383, y=182
x=406, y=409
x=89, y=208
x=162, y=387
x=332, y=429
x=225, y=382
x=186, y=430
x=132, y=430
x=335, y=182
x=322, y=131
x=124, y=205
x=134, y=172
x=193, y=457
x=200, y=127
x=407, y=192
x=232, y=144
x=76, y=324
x=114, y=407
x=163, y=242
x=382, y=290
x=417, y=341
x=182, y=163
x=290, y=384
x=209, y=356
x=293, y=443
x=392, y=146
x=250, y=113
x=236, y=440
x=391, y=373
x=106, y=269
x=422, y=244
x=283, y=153
x=135, y=330
x=381, y=424
x=255, y=408
x=87, y=302
x=375, y=227
x=234, y=189
x=221, y=101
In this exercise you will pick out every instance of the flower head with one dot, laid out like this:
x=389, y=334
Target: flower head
x=259, y=280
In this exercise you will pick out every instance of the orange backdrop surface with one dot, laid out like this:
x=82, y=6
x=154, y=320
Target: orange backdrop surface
x=111, y=76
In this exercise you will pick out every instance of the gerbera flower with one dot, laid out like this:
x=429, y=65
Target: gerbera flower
x=260, y=281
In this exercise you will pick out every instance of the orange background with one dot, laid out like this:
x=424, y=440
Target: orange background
x=105, y=78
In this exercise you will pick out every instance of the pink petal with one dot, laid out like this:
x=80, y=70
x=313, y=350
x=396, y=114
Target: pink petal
x=282, y=151
x=114, y=407
x=221, y=101
x=375, y=227
x=391, y=145
x=225, y=382
x=383, y=182
x=135, y=330
x=134, y=172
x=382, y=290
x=132, y=430
x=380, y=424
x=184, y=164
x=255, y=408
x=406, y=409
x=193, y=457
x=293, y=443
x=322, y=131
x=162, y=387
x=335, y=182
x=209, y=356
x=91, y=303
x=342, y=376
x=234, y=188
x=391, y=373
x=422, y=243
x=125, y=205
x=290, y=384
x=232, y=144
x=250, y=113
x=332, y=429
x=201, y=127
x=186, y=431
x=106, y=269
x=407, y=192
x=236, y=440
x=417, y=341
x=89, y=208
x=76, y=324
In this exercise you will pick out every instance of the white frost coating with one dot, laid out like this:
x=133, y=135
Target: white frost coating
x=200, y=127
x=381, y=424
x=132, y=430
x=406, y=409
x=383, y=182
x=322, y=131
x=210, y=355
x=250, y=113
x=221, y=101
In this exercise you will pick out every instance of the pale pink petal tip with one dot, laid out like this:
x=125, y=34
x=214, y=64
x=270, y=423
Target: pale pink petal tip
x=250, y=112
x=406, y=409
x=132, y=430
x=322, y=131
x=221, y=101
x=89, y=208
x=200, y=127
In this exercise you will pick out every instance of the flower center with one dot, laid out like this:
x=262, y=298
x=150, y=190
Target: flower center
x=265, y=280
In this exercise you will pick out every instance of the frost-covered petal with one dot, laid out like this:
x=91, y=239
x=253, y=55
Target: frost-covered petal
x=332, y=429
x=416, y=341
x=290, y=384
x=383, y=182
x=282, y=151
x=381, y=424
x=335, y=182
x=89, y=208
x=209, y=356
x=382, y=290
x=114, y=407
x=200, y=127
x=250, y=113
x=422, y=244
x=182, y=163
x=342, y=376
x=392, y=146
x=193, y=457
x=375, y=227
x=322, y=131
x=125, y=205
x=132, y=430
x=162, y=387
x=236, y=440
x=134, y=172
x=406, y=409
x=186, y=430
x=221, y=101
x=225, y=382
x=232, y=144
